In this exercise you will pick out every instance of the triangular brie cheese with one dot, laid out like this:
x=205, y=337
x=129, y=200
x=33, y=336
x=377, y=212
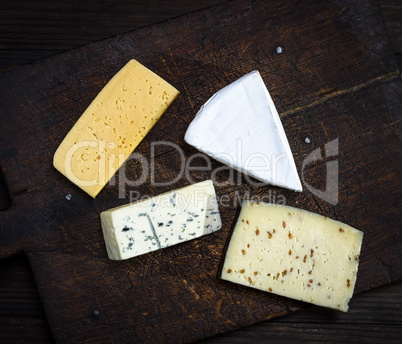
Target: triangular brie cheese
x=240, y=127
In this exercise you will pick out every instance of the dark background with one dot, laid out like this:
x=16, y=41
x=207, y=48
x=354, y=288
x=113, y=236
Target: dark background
x=30, y=30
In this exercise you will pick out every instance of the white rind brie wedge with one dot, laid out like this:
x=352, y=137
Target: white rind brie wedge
x=240, y=127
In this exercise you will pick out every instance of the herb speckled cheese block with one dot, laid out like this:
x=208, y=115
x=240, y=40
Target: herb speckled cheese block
x=161, y=221
x=112, y=126
x=293, y=253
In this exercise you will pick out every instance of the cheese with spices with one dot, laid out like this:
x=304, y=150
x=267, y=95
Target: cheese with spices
x=294, y=253
x=161, y=221
x=112, y=126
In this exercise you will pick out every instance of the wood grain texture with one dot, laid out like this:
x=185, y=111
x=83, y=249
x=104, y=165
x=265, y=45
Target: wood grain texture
x=35, y=30
x=377, y=312
x=318, y=97
x=392, y=12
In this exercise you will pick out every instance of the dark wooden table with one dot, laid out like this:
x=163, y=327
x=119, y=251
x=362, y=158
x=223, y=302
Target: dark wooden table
x=33, y=30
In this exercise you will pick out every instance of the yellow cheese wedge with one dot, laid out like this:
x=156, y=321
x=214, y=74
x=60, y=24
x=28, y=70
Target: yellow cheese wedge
x=112, y=126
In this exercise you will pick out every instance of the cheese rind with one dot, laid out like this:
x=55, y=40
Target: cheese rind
x=112, y=126
x=240, y=127
x=161, y=221
x=294, y=253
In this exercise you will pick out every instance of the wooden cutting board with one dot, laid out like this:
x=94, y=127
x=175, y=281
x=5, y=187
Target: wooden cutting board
x=334, y=80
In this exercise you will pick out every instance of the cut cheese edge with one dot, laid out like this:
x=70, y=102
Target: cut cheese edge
x=240, y=127
x=112, y=126
x=161, y=221
x=294, y=253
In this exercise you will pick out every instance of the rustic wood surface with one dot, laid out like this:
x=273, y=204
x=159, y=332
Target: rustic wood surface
x=377, y=315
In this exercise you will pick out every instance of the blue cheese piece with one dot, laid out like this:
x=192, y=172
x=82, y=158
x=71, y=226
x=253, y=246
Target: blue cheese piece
x=294, y=253
x=161, y=221
x=240, y=127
